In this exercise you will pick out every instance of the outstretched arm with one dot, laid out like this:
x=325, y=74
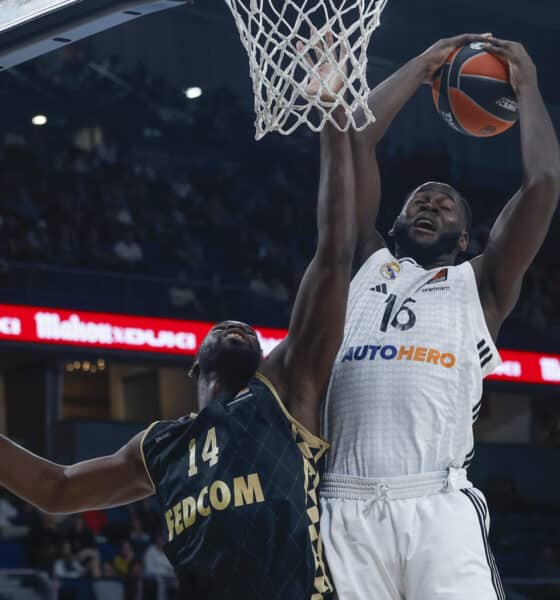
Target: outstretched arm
x=300, y=367
x=386, y=101
x=99, y=483
x=523, y=224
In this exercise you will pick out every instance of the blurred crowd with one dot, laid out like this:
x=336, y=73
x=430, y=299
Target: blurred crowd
x=186, y=194
x=87, y=554
x=92, y=553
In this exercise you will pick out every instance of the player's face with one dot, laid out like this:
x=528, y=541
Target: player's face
x=431, y=223
x=231, y=352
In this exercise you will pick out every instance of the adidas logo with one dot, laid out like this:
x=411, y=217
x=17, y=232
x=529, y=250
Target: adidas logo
x=381, y=288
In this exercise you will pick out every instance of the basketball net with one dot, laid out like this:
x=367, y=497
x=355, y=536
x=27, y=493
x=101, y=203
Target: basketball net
x=270, y=30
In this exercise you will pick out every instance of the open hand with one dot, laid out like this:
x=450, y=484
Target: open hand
x=327, y=69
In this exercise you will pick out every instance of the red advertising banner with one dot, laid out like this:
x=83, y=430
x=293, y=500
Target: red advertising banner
x=170, y=336
x=111, y=331
x=528, y=367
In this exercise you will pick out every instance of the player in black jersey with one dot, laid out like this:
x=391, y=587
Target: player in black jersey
x=237, y=483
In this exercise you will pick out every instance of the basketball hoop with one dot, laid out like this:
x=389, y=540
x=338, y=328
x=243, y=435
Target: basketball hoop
x=270, y=30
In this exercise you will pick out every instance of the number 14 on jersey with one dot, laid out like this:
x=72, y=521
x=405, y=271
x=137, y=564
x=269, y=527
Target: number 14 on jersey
x=210, y=452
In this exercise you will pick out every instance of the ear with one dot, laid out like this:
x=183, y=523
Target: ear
x=463, y=241
x=194, y=370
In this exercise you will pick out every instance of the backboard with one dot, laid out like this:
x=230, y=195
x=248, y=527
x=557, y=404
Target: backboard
x=30, y=28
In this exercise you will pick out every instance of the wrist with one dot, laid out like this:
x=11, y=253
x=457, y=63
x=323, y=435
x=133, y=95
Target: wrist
x=528, y=87
x=424, y=68
x=341, y=116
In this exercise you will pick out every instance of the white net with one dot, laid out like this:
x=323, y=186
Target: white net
x=286, y=44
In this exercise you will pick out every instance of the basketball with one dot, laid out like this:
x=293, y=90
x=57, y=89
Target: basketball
x=472, y=93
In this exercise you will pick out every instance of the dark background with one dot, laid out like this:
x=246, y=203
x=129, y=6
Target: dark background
x=135, y=199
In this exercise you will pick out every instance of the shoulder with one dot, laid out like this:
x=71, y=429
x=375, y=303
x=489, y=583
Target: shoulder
x=160, y=431
x=315, y=445
x=159, y=436
x=379, y=259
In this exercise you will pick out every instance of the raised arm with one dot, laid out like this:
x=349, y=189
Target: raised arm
x=386, y=101
x=521, y=228
x=300, y=367
x=94, y=484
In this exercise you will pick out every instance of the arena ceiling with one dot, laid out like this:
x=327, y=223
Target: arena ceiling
x=200, y=42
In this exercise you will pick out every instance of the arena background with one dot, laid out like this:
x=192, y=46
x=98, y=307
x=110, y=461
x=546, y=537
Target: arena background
x=143, y=195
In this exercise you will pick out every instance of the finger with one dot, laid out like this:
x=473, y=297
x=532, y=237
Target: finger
x=315, y=44
x=301, y=48
x=470, y=38
x=501, y=43
x=336, y=46
x=496, y=50
x=343, y=53
x=324, y=43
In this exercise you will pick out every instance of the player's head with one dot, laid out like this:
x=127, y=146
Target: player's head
x=434, y=223
x=229, y=355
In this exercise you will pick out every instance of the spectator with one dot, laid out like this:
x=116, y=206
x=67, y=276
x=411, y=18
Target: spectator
x=95, y=252
x=156, y=563
x=138, y=536
x=145, y=511
x=67, y=566
x=108, y=570
x=183, y=297
x=95, y=520
x=124, y=558
x=43, y=543
x=137, y=587
x=68, y=245
x=8, y=517
x=127, y=250
x=82, y=540
x=36, y=245
x=92, y=566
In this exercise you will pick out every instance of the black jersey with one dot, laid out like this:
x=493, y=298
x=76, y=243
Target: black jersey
x=237, y=486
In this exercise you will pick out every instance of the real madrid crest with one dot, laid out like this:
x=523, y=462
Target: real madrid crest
x=391, y=270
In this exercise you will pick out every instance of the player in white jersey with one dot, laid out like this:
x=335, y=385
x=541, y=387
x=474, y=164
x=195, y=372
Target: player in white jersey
x=400, y=520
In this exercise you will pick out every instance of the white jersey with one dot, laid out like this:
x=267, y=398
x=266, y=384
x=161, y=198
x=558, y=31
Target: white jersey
x=407, y=382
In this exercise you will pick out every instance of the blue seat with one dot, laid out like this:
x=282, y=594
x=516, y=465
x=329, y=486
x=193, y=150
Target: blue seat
x=12, y=555
x=107, y=552
x=118, y=515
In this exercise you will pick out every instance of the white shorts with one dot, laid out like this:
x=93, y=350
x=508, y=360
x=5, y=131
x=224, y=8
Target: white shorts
x=382, y=544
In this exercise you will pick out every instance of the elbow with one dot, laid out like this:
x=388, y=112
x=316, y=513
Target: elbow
x=53, y=495
x=547, y=183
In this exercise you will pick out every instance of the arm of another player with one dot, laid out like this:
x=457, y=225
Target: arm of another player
x=523, y=224
x=386, y=101
x=93, y=484
x=300, y=367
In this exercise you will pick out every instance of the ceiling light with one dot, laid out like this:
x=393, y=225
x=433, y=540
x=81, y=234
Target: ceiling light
x=39, y=120
x=193, y=92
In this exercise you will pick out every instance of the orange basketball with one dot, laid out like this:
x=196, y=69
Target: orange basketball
x=473, y=94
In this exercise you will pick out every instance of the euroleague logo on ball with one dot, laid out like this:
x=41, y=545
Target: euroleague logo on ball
x=390, y=270
x=507, y=104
